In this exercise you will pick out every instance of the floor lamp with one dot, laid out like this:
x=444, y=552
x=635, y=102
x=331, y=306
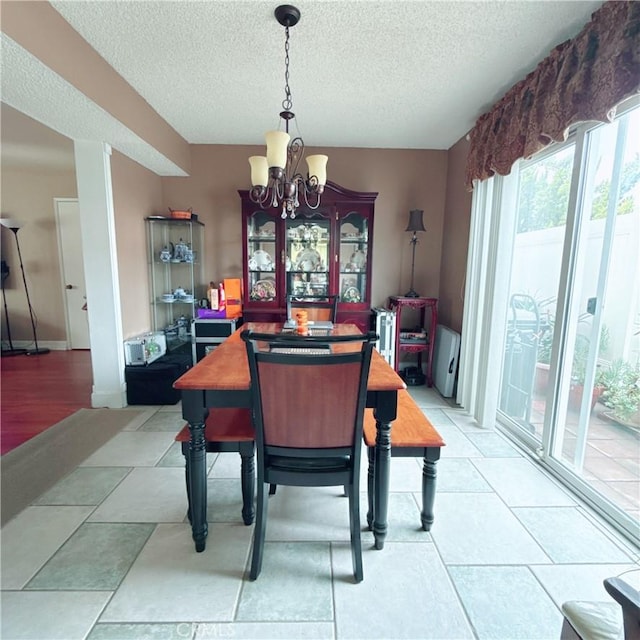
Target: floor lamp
x=415, y=225
x=14, y=226
x=10, y=351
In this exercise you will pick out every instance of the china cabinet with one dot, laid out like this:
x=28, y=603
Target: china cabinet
x=175, y=275
x=326, y=251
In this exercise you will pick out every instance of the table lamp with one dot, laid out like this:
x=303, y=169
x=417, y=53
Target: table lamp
x=415, y=225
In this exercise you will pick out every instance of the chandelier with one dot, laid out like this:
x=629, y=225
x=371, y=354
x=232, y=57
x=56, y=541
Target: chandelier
x=275, y=178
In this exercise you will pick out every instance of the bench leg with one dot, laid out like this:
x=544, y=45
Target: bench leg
x=247, y=472
x=431, y=457
x=371, y=454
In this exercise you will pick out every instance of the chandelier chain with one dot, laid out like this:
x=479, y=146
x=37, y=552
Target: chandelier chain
x=287, y=103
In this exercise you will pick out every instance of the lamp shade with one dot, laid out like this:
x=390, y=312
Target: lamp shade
x=318, y=167
x=415, y=220
x=277, y=142
x=10, y=223
x=259, y=171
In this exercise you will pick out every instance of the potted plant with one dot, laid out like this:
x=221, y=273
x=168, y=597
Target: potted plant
x=621, y=392
x=578, y=367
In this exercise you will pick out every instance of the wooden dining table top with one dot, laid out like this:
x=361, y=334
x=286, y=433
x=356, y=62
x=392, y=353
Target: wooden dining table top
x=226, y=368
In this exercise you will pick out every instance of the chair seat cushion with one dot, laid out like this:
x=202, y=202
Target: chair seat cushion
x=595, y=620
x=224, y=425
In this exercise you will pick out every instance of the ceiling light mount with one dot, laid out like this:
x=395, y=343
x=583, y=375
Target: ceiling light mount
x=287, y=15
x=275, y=178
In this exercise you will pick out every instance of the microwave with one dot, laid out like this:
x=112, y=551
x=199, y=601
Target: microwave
x=144, y=349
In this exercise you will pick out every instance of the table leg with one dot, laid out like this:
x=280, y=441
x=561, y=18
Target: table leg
x=385, y=413
x=198, y=485
x=194, y=411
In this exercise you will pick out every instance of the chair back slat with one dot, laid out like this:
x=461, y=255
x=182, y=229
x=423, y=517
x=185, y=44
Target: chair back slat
x=307, y=405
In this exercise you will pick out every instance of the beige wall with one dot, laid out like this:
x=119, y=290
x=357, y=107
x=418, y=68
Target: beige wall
x=27, y=196
x=404, y=179
x=137, y=193
x=455, y=239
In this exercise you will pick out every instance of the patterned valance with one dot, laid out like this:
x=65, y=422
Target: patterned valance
x=581, y=79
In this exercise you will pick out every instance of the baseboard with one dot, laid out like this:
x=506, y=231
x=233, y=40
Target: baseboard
x=110, y=400
x=54, y=345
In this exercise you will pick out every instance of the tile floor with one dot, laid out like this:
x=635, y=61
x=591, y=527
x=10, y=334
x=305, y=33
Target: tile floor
x=107, y=554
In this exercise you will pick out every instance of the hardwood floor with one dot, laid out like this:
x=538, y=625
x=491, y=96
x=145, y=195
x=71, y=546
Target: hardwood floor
x=39, y=391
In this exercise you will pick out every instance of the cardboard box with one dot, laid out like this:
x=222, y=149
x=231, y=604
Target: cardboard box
x=233, y=292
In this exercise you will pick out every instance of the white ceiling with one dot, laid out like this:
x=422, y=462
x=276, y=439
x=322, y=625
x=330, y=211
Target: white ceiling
x=364, y=73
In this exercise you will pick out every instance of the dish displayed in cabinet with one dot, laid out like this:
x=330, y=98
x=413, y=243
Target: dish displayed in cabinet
x=261, y=261
x=358, y=259
x=308, y=260
x=351, y=294
x=263, y=290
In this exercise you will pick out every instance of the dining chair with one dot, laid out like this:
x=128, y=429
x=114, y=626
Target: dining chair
x=308, y=398
x=318, y=308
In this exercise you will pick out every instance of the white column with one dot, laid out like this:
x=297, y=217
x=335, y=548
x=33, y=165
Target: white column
x=95, y=196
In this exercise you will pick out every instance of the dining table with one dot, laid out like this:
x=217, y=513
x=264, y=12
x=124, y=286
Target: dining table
x=222, y=379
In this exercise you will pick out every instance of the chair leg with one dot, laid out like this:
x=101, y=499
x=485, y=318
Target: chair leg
x=259, y=532
x=371, y=454
x=354, y=525
x=248, y=481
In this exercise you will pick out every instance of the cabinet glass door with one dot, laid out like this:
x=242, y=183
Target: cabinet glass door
x=262, y=257
x=307, y=256
x=353, y=257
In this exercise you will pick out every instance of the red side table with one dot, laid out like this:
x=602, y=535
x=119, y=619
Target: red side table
x=421, y=304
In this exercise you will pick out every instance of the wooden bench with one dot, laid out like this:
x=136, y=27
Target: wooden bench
x=412, y=436
x=227, y=430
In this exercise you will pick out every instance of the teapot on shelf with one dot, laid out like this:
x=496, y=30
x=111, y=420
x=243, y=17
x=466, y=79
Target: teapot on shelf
x=167, y=252
x=180, y=251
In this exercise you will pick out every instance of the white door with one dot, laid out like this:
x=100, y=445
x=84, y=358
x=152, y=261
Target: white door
x=72, y=267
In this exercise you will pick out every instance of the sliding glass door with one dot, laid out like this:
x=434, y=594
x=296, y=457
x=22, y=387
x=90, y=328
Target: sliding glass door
x=570, y=382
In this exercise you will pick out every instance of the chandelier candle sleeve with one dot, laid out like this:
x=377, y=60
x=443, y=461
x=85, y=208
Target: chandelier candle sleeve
x=277, y=142
x=318, y=167
x=259, y=171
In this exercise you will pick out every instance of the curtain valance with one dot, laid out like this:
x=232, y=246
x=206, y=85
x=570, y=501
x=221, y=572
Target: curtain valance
x=581, y=79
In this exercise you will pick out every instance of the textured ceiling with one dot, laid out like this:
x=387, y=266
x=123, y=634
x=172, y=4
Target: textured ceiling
x=389, y=74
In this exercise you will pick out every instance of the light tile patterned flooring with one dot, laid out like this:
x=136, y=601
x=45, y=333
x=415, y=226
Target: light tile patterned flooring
x=107, y=554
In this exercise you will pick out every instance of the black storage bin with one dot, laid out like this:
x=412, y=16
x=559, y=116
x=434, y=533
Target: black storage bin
x=153, y=383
